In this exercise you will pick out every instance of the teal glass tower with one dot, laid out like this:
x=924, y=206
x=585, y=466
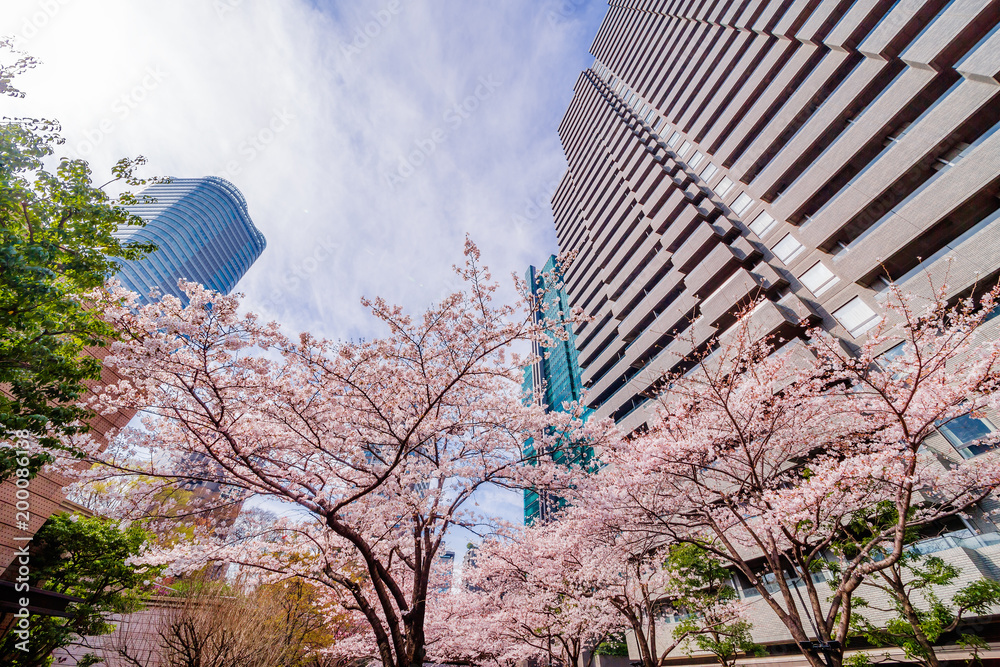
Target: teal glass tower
x=554, y=379
x=202, y=231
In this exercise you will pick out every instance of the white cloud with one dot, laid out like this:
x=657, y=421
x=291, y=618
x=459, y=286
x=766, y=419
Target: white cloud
x=310, y=116
x=357, y=164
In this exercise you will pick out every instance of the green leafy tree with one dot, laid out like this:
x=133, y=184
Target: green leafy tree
x=917, y=628
x=708, y=587
x=728, y=641
x=614, y=645
x=57, y=244
x=90, y=559
x=298, y=611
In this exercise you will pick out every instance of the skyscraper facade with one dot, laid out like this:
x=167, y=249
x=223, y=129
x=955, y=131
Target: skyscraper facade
x=553, y=380
x=806, y=153
x=791, y=157
x=202, y=231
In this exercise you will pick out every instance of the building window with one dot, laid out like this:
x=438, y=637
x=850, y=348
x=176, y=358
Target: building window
x=658, y=125
x=787, y=248
x=695, y=159
x=723, y=187
x=856, y=316
x=708, y=172
x=886, y=358
x=819, y=279
x=969, y=435
x=674, y=138
x=685, y=147
x=742, y=203
x=951, y=158
x=762, y=223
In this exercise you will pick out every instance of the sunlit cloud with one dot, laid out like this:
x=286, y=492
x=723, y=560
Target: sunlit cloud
x=368, y=137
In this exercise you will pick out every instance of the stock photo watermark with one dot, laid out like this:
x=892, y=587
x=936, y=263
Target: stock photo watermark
x=223, y=7
x=453, y=117
x=539, y=206
x=256, y=143
x=364, y=34
x=564, y=11
x=296, y=276
x=22, y=522
x=38, y=19
x=121, y=109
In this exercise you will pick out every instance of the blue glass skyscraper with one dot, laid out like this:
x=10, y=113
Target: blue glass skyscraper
x=554, y=379
x=202, y=232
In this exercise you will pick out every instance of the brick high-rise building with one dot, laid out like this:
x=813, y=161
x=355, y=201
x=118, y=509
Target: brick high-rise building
x=803, y=153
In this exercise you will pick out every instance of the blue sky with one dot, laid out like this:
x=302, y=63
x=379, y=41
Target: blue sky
x=367, y=137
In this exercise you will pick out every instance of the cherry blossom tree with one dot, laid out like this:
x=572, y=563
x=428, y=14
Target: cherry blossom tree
x=770, y=459
x=596, y=556
x=538, y=602
x=464, y=627
x=645, y=580
x=378, y=445
x=555, y=590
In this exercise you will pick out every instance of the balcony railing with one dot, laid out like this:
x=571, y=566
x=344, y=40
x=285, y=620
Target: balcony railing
x=959, y=538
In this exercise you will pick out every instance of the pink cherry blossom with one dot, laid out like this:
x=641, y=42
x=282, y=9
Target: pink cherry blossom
x=809, y=460
x=377, y=445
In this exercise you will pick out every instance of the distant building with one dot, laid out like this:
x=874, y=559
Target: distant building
x=469, y=565
x=446, y=571
x=553, y=380
x=203, y=233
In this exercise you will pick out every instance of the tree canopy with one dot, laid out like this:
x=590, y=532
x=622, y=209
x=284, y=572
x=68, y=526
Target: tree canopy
x=90, y=558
